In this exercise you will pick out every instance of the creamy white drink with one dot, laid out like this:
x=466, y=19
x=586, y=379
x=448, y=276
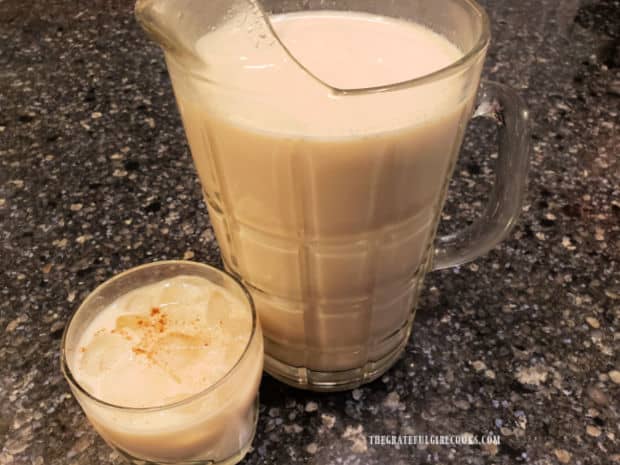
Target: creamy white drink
x=166, y=343
x=324, y=203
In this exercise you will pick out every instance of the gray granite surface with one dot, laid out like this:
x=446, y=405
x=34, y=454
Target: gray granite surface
x=95, y=177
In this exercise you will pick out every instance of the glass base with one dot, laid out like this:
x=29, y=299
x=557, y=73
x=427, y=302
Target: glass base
x=333, y=381
x=232, y=460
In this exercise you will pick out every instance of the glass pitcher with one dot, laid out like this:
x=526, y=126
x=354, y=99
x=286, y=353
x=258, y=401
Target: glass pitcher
x=325, y=198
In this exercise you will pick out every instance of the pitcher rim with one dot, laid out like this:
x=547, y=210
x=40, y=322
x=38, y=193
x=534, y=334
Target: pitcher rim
x=463, y=63
x=457, y=66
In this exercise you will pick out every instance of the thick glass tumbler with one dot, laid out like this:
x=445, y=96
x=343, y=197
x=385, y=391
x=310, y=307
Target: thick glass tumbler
x=325, y=200
x=214, y=426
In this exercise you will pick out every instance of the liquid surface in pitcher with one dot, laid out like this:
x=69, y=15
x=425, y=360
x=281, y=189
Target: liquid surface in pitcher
x=345, y=50
x=355, y=50
x=325, y=204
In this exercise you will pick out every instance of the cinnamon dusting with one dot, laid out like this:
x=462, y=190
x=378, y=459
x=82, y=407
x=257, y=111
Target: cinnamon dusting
x=146, y=328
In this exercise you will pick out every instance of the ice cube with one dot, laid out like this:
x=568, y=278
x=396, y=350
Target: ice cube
x=139, y=384
x=133, y=322
x=187, y=317
x=238, y=327
x=179, y=353
x=137, y=302
x=183, y=289
x=215, y=364
x=219, y=309
x=103, y=352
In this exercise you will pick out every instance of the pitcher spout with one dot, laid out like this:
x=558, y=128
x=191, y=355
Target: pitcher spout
x=162, y=20
x=176, y=25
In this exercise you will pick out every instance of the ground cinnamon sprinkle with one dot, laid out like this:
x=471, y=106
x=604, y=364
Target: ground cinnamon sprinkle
x=161, y=323
x=149, y=328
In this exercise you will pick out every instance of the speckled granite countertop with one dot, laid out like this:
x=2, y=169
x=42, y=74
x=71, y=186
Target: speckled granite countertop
x=95, y=177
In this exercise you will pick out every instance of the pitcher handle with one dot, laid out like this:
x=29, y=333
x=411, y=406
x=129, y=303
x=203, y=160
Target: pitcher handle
x=507, y=109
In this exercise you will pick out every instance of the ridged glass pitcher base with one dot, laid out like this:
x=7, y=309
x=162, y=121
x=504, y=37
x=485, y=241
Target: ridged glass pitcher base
x=332, y=381
x=335, y=344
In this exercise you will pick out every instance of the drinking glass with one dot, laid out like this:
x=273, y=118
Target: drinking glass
x=213, y=426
